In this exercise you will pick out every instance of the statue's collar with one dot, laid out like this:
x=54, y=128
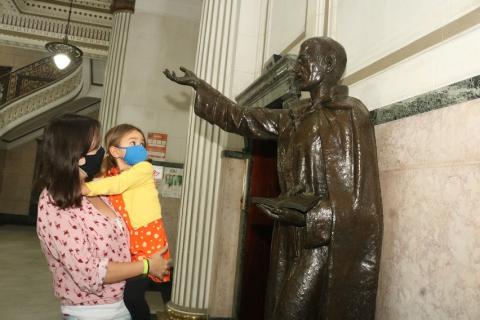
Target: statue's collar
x=334, y=93
x=338, y=91
x=331, y=101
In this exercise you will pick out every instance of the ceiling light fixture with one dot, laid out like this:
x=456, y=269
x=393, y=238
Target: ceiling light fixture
x=63, y=51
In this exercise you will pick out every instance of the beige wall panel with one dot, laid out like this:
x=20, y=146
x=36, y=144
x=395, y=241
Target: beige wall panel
x=371, y=29
x=147, y=99
x=287, y=23
x=430, y=178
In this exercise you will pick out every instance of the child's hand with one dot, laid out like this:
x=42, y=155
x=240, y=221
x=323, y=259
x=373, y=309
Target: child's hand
x=85, y=190
x=160, y=267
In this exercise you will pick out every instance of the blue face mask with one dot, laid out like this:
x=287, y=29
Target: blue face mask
x=135, y=154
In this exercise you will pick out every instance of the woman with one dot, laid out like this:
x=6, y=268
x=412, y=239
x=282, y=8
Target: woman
x=84, y=240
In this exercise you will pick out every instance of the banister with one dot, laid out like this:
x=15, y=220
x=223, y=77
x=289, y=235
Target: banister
x=31, y=78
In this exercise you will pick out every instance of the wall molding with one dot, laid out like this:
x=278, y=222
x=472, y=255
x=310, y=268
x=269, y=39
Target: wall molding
x=30, y=24
x=428, y=41
x=458, y=92
x=91, y=12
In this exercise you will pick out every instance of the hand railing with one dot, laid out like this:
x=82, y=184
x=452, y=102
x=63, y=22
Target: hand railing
x=31, y=78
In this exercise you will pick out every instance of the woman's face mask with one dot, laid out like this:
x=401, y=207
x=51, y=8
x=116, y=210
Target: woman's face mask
x=93, y=163
x=135, y=154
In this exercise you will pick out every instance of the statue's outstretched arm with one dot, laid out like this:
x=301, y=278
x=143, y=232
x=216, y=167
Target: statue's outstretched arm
x=189, y=78
x=213, y=106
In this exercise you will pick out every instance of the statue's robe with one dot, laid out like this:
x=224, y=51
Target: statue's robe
x=327, y=269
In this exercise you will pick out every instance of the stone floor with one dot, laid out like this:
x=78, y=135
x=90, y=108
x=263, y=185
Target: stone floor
x=25, y=282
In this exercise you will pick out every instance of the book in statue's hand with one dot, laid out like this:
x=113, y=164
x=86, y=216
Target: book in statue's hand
x=301, y=202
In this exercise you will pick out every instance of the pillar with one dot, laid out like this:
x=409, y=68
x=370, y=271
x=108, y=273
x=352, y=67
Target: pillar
x=122, y=12
x=198, y=210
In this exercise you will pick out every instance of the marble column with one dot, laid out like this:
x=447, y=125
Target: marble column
x=198, y=211
x=122, y=12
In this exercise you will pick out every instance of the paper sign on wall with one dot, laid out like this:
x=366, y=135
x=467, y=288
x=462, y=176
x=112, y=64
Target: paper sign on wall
x=158, y=176
x=172, y=182
x=157, y=145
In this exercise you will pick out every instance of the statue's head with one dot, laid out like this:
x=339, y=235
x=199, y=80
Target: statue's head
x=321, y=60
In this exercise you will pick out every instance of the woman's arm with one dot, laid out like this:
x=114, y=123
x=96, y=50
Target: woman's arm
x=118, y=271
x=62, y=238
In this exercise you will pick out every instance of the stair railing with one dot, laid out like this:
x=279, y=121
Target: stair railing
x=31, y=78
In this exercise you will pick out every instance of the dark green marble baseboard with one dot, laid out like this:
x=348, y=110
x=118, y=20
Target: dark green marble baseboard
x=459, y=92
x=235, y=154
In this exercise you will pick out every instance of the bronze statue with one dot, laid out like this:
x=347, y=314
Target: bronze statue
x=328, y=228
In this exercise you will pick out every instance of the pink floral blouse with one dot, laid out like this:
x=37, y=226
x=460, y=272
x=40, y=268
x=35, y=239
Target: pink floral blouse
x=78, y=244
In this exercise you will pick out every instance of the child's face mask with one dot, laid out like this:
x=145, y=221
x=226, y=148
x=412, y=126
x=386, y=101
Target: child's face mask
x=135, y=154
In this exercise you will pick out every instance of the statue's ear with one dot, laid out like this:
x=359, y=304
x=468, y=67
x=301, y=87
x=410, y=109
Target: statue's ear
x=329, y=62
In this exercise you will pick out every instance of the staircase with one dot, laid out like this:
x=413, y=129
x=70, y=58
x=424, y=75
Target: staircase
x=32, y=95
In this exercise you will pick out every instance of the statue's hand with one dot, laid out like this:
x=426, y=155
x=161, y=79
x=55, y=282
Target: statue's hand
x=189, y=79
x=285, y=215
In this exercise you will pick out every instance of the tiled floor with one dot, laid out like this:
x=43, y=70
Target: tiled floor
x=25, y=282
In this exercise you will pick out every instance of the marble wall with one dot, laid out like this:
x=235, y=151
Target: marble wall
x=430, y=177
x=225, y=279
x=430, y=162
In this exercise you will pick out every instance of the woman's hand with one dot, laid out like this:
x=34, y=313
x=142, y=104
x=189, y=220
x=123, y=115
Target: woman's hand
x=189, y=79
x=159, y=267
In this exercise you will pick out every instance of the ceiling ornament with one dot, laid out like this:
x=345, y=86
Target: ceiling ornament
x=31, y=28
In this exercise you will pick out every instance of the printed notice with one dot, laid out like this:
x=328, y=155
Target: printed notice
x=157, y=145
x=158, y=176
x=172, y=182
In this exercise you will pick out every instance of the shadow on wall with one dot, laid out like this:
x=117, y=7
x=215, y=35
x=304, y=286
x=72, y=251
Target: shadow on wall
x=180, y=101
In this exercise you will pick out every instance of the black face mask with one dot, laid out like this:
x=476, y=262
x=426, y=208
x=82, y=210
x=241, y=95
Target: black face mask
x=93, y=163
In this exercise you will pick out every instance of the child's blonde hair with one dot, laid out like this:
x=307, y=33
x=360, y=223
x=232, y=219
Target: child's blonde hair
x=112, y=138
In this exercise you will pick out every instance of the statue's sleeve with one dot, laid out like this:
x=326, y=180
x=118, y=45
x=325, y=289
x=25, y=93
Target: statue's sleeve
x=255, y=123
x=318, y=227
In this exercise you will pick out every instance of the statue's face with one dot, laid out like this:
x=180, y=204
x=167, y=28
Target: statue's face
x=308, y=70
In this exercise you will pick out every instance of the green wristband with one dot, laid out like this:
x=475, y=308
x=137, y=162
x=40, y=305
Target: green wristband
x=146, y=267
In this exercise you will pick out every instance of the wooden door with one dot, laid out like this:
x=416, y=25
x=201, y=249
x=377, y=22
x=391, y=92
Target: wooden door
x=258, y=234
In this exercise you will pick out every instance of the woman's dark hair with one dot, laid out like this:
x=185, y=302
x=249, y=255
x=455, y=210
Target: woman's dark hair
x=66, y=139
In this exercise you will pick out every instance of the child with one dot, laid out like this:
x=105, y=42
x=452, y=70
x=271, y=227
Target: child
x=131, y=189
